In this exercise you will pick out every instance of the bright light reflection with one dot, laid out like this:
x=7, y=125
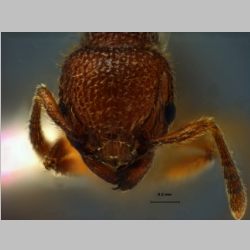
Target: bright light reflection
x=16, y=153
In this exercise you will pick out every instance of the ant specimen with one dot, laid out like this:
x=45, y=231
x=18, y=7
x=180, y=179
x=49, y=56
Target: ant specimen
x=116, y=102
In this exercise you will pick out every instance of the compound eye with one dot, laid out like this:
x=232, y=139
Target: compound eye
x=63, y=109
x=170, y=112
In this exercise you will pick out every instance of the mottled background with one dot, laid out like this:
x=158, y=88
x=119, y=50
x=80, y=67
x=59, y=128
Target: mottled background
x=212, y=79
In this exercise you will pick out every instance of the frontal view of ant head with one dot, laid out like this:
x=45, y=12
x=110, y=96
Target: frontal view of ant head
x=116, y=103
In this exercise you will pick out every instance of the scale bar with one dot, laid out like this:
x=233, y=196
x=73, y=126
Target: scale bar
x=165, y=202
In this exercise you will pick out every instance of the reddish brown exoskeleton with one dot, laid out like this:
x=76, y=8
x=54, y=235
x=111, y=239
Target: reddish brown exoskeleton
x=116, y=102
